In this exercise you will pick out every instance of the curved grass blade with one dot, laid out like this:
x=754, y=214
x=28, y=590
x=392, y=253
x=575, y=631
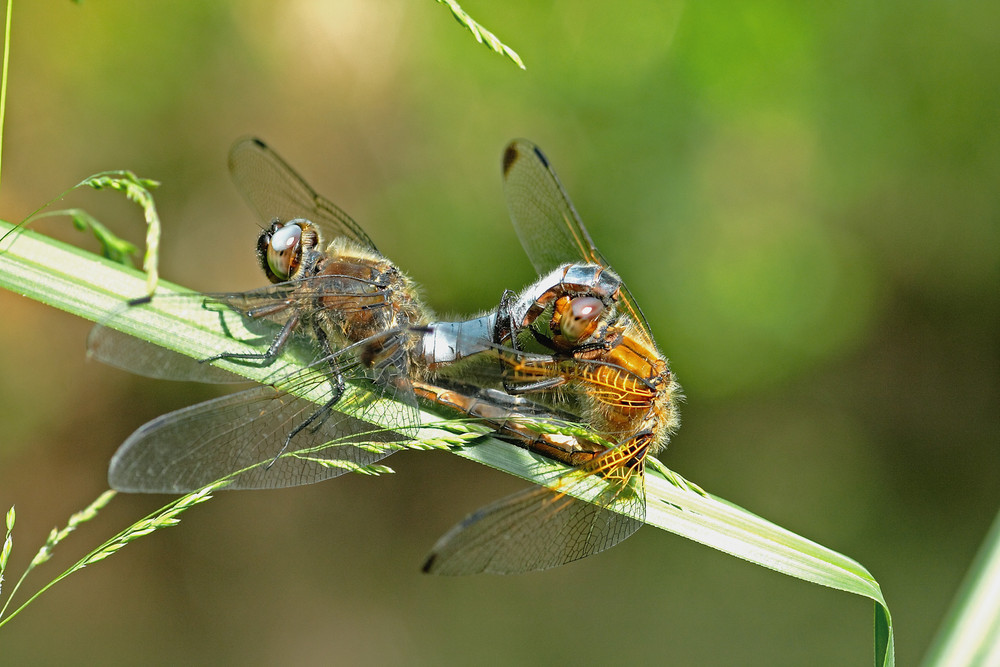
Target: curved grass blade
x=90, y=286
x=970, y=633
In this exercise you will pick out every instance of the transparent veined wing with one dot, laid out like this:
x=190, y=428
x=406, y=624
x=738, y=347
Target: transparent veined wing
x=544, y=218
x=275, y=190
x=305, y=428
x=542, y=527
x=291, y=431
x=263, y=437
x=259, y=313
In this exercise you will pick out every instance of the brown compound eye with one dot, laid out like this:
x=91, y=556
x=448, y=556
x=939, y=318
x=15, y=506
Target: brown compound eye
x=284, y=250
x=581, y=318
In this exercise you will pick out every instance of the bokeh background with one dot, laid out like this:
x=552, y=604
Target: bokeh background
x=804, y=200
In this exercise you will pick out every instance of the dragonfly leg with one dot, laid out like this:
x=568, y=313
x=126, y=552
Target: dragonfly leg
x=542, y=339
x=316, y=420
x=548, y=384
x=267, y=357
x=601, y=346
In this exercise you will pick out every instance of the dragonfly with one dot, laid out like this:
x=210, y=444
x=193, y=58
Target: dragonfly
x=594, y=354
x=352, y=314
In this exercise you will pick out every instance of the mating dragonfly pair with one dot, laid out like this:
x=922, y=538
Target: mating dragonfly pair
x=572, y=347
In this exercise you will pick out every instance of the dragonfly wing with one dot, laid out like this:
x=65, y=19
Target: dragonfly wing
x=114, y=348
x=540, y=528
x=228, y=313
x=548, y=225
x=543, y=215
x=264, y=437
x=172, y=316
x=275, y=190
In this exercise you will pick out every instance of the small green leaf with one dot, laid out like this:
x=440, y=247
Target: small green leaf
x=137, y=190
x=482, y=35
x=8, y=543
x=113, y=247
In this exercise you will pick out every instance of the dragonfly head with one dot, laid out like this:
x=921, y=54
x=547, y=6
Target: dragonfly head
x=281, y=246
x=577, y=318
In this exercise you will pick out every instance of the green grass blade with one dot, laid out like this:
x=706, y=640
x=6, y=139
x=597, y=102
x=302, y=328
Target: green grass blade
x=3, y=73
x=721, y=525
x=92, y=287
x=970, y=634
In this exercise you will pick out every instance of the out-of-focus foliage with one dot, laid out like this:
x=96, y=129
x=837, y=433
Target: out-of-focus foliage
x=803, y=200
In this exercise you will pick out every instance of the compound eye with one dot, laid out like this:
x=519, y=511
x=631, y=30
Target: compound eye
x=284, y=250
x=581, y=318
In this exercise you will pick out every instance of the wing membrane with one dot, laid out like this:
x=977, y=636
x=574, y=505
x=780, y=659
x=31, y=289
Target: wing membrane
x=543, y=215
x=260, y=312
x=118, y=349
x=548, y=225
x=248, y=430
x=271, y=437
x=187, y=449
x=275, y=190
x=541, y=528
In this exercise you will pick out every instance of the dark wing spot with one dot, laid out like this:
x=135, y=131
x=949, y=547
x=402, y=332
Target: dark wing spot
x=509, y=158
x=429, y=564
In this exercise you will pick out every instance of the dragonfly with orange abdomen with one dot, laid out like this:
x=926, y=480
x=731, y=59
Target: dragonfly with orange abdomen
x=582, y=345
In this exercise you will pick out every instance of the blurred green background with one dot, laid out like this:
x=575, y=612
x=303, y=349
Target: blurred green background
x=803, y=200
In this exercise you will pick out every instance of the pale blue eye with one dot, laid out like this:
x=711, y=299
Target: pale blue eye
x=284, y=249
